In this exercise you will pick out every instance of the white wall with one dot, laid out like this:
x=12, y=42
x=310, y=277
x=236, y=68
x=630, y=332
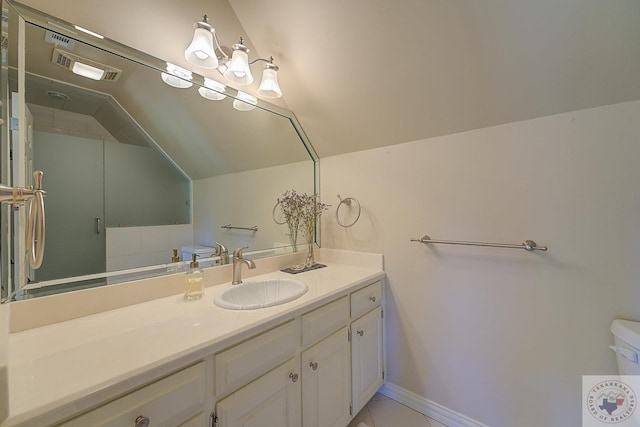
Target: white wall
x=131, y=247
x=246, y=199
x=502, y=336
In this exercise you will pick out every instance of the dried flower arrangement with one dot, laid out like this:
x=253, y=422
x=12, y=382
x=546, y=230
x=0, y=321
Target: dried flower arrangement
x=301, y=212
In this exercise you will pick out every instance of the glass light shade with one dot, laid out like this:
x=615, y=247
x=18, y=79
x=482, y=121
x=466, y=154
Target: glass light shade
x=269, y=86
x=223, y=67
x=201, y=52
x=177, y=77
x=238, y=70
x=87, y=71
x=212, y=90
x=245, y=102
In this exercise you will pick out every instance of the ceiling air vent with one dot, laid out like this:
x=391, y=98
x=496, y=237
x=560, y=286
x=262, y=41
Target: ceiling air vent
x=111, y=75
x=62, y=59
x=67, y=60
x=59, y=40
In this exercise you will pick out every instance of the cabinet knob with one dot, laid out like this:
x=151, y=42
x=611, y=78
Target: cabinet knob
x=142, y=421
x=372, y=299
x=314, y=365
x=360, y=332
x=293, y=376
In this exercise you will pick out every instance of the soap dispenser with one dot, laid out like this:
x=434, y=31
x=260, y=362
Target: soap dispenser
x=174, y=267
x=194, y=281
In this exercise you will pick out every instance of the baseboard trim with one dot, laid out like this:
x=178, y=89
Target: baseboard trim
x=431, y=409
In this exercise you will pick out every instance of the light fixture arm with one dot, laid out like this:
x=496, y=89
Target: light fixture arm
x=269, y=62
x=218, y=48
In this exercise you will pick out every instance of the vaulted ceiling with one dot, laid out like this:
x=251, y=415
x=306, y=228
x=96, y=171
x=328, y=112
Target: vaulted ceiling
x=368, y=73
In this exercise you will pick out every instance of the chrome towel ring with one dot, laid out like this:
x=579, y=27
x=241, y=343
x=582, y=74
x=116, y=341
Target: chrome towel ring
x=273, y=214
x=347, y=201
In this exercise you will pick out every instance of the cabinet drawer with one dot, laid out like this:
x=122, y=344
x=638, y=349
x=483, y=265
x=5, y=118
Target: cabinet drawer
x=244, y=362
x=167, y=402
x=322, y=321
x=365, y=299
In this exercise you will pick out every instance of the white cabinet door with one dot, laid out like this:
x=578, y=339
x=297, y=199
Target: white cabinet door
x=271, y=400
x=326, y=387
x=167, y=402
x=366, y=357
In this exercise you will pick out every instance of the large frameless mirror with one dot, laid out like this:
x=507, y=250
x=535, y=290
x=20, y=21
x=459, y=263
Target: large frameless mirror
x=133, y=167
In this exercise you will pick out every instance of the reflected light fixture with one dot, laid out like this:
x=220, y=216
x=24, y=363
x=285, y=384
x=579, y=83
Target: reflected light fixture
x=201, y=51
x=177, y=76
x=212, y=90
x=245, y=102
x=91, y=33
x=238, y=70
x=88, y=71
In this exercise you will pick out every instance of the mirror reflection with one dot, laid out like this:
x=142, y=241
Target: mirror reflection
x=135, y=168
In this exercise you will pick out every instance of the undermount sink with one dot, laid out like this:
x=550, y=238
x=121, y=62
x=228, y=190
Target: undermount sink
x=260, y=293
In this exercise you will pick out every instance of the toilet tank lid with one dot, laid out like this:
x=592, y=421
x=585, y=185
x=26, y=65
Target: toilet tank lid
x=627, y=331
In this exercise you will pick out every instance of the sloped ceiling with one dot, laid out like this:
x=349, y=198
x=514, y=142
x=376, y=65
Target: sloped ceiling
x=367, y=73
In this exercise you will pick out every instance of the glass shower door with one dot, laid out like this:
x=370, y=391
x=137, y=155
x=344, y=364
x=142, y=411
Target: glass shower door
x=74, y=181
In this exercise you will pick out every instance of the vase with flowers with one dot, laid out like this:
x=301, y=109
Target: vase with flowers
x=291, y=206
x=301, y=211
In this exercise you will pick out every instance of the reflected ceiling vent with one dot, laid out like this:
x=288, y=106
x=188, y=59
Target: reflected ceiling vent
x=59, y=40
x=85, y=67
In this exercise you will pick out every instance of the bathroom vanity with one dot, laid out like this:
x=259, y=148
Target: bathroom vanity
x=314, y=361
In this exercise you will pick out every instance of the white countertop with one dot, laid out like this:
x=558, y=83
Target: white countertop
x=64, y=368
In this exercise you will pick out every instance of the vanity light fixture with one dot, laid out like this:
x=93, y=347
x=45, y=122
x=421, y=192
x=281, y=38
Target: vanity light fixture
x=245, y=102
x=177, y=76
x=212, y=90
x=201, y=51
x=205, y=51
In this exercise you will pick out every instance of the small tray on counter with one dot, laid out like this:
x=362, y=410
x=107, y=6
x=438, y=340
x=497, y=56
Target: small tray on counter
x=291, y=270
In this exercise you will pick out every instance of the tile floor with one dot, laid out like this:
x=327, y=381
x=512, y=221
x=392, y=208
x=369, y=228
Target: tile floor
x=384, y=412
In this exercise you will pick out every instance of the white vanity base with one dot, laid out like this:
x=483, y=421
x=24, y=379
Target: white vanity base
x=63, y=369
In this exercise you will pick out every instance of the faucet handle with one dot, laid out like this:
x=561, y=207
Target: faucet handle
x=222, y=248
x=37, y=179
x=237, y=254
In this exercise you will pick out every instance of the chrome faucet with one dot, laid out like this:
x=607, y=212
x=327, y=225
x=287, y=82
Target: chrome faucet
x=223, y=252
x=238, y=260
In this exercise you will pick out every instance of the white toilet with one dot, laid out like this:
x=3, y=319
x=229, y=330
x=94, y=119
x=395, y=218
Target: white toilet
x=627, y=346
